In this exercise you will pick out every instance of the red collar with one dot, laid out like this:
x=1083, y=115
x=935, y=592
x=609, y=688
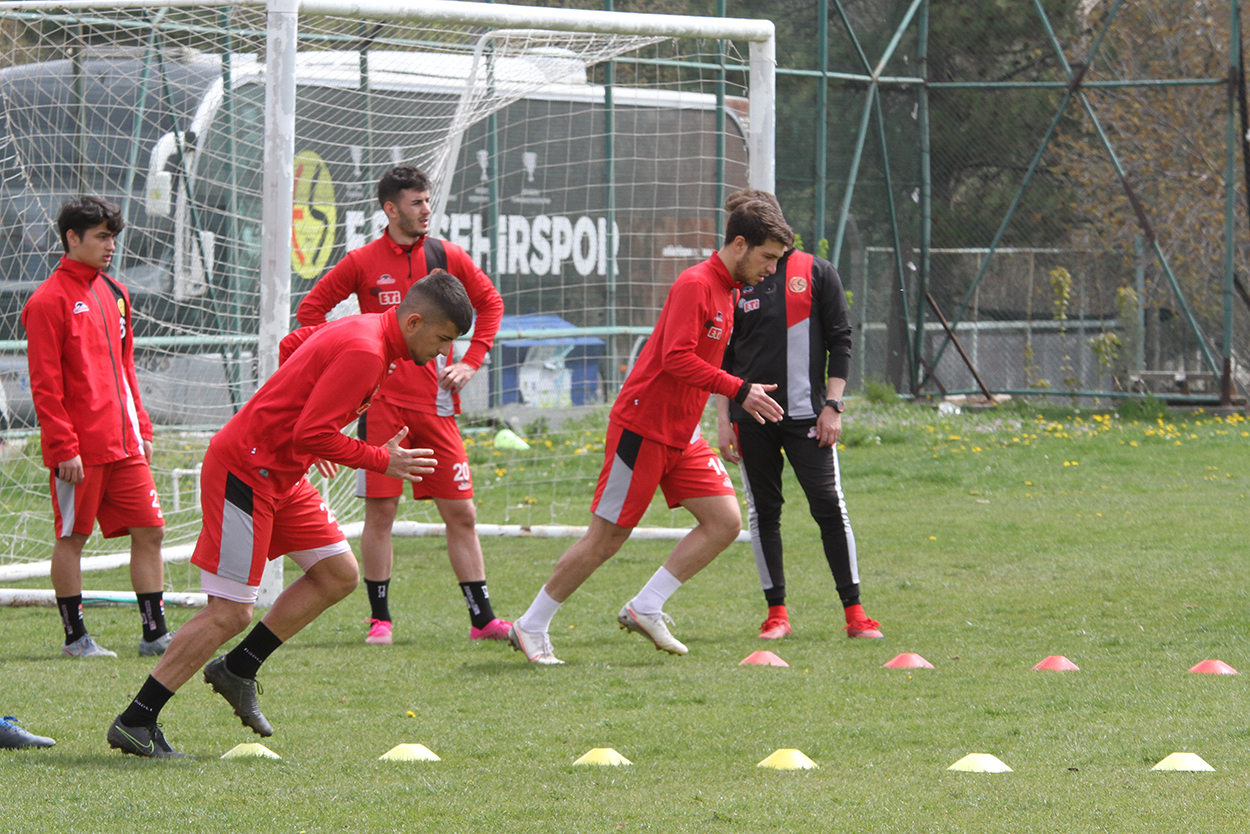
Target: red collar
x=396, y=248
x=77, y=270
x=722, y=273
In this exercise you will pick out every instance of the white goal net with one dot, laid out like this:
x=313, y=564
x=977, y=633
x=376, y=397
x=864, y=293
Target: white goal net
x=580, y=158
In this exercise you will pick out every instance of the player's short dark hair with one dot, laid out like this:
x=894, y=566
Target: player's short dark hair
x=399, y=179
x=82, y=213
x=441, y=294
x=756, y=222
x=746, y=195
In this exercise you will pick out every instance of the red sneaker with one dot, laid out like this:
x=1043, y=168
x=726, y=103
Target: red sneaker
x=863, y=628
x=774, y=628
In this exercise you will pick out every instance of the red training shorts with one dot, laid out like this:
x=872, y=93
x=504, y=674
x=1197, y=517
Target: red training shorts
x=245, y=527
x=451, y=478
x=634, y=466
x=119, y=495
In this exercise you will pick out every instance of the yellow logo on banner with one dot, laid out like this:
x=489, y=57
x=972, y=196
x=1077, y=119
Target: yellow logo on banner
x=314, y=216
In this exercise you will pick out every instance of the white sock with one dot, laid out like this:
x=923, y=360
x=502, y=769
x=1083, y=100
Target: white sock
x=538, y=616
x=655, y=593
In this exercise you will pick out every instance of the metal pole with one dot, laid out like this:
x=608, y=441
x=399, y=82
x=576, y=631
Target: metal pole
x=721, y=11
x=281, y=45
x=822, y=118
x=609, y=197
x=1230, y=200
x=853, y=175
x=926, y=200
x=763, y=114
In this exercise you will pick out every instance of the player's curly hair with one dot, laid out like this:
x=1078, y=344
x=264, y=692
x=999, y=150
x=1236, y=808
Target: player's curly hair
x=399, y=179
x=79, y=214
x=756, y=222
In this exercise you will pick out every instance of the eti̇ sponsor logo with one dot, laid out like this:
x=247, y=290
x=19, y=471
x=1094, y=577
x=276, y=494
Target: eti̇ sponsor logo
x=80, y=307
x=714, y=333
x=752, y=304
x=391, y=297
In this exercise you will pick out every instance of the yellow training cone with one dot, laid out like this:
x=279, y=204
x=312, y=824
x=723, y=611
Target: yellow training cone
x=510, y=440
x=980, y=763
x=1190, y=762
x=602, y=756
x=788, y=758
x=253, y=748
x=409, y=753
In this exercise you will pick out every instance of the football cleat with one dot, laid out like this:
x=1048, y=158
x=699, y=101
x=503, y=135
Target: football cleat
x=13, y=737
x=86, y=646
x=535, y=645
x=651, y=626
x=496, y=629
x=240, y=693
x=379, y=633
x=147, y=741
x=157, y=647
x=863, y=628
x=774, y=628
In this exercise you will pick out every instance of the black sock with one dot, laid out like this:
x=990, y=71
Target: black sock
x=152, y=614
x=849, y=595
x=775, y=595
x=478, y=599
x=147, y=705
x=71, y=617
x=244, y=659
x=379, y=607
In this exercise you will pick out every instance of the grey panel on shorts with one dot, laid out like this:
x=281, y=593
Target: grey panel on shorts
x=237, y=538
x=615, y=490
x=65, y=503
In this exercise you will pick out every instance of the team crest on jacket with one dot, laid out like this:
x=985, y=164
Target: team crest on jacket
x=80, y=307
x=797, y=284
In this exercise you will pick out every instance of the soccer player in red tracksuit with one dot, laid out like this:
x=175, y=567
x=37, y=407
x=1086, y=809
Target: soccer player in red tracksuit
x=95, y=435
x=653, y=437
x=790, y=329
x=258, y=504
x=425, y=398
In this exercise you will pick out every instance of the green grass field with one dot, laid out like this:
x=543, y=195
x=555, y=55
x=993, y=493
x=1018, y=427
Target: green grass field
x=987, y=542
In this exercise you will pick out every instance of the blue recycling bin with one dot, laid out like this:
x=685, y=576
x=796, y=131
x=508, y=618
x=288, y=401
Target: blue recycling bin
x=582, y=359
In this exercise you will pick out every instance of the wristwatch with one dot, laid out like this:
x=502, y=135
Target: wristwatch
x=837, y=405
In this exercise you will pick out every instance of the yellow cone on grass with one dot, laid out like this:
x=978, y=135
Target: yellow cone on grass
x=409, y=753
x=787, y=758
x=253, y=748
x=980, y=763
x=1189, y=762
x=602, y=756
x=510, y=440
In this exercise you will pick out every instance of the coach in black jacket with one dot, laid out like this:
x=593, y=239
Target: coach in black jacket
x=792, y=330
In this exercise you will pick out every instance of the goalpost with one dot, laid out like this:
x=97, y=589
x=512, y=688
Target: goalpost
x=581, y=157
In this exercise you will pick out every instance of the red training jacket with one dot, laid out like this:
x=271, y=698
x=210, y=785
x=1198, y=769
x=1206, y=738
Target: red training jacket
x=81, y=355
x=665, y=394
x=380, y=274
x=297, y=416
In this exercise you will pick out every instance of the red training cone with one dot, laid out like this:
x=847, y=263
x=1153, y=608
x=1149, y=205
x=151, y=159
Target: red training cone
x=1057, y=663
x=908, y=660
x=762, y=659
x=1214, y=667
